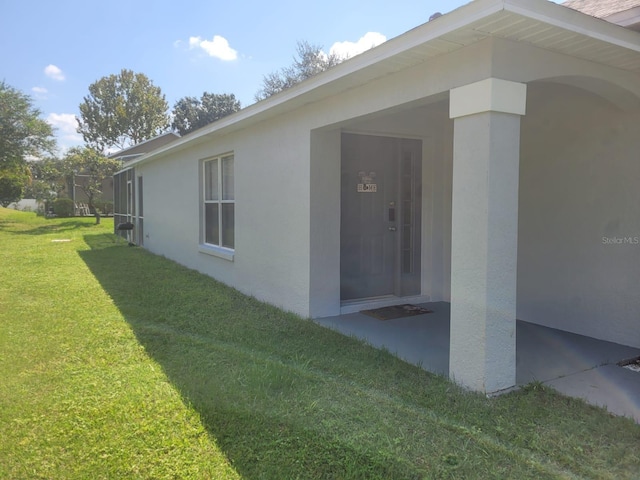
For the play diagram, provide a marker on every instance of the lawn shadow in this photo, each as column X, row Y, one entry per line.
column 236, row 374
column 65, row 226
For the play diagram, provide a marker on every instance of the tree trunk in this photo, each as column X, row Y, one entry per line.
column 95, row 210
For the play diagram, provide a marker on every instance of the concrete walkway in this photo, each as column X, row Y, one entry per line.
column 574, row 365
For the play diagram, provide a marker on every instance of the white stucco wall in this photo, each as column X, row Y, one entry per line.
column 579, row 190
column 271, row 212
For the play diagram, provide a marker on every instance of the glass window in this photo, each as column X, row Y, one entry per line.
column 211, row 180
column 227, row 178
column 219, row 202
column 227, row 225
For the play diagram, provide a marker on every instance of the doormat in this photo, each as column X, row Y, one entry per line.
column 633, row 364
column 396, row 311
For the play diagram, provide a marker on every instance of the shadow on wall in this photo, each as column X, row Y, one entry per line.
column 257, row 385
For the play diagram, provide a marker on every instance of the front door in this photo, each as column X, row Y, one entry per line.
column 380, row 218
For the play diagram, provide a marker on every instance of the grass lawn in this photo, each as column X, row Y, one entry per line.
column 115, row 363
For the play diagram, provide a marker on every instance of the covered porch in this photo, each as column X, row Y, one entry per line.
column 574, row 365
column 490, row 171
column 514, row 212
column 525, row 178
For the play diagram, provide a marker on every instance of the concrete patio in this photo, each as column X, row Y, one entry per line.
column 574, row 365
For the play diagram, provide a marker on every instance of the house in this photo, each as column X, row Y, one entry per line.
column 123, row 185
column 488, row 158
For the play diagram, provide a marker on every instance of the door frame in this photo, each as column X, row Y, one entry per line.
column 416, row 236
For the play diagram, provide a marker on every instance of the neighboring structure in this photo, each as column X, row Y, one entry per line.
column 488, row 158
column 80, row 199
column 27, row 205
column 131, row 153
column 126, row 209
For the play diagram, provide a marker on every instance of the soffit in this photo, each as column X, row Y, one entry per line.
column 513, row 26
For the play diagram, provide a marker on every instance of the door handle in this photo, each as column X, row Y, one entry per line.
column 392, row 229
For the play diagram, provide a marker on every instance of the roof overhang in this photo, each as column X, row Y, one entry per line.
column 540, row 23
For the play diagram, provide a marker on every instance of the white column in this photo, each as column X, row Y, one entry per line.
column 484, row 240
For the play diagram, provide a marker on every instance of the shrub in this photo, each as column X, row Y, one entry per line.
column 63, row 207
column 11, row 188
column 105, row 207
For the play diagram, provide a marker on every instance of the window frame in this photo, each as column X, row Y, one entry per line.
column 218, row 250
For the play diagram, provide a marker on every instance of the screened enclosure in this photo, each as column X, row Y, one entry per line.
column 125, row 207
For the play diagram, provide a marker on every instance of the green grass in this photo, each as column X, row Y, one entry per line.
column 115, row 363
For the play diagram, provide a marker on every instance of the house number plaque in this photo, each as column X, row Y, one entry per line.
column 367, row 187
column 366, row 184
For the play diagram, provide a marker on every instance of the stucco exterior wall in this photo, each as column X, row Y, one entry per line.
column 579, row 226
column 271, row 212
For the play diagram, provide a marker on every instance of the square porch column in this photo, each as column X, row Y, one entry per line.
column 484, row 240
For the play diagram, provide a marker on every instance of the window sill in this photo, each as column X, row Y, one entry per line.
column 214, row 251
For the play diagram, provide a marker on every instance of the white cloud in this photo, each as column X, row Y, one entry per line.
column 350, row 49
column 65, row 125
column 218, row 47
column 54, row 72
column 65, row 122
column 40, row 92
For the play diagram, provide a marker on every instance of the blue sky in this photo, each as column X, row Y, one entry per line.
column 53, row 50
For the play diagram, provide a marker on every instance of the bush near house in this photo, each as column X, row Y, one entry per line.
column 105, row 207
column 63, row 207
column 145, row 369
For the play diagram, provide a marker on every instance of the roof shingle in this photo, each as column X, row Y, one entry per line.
column 601, row 8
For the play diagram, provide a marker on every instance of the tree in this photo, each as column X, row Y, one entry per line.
column 93, row 168
column 47, row 179
column 190, row 113
column 23, row 134
column 309, row 61
column 12, row 184
column 122, row 110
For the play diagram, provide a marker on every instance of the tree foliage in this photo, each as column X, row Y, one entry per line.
column 122, row 110
column 23, row 134
column 309, row 60
column 191, row 113
column 89, row 168
column 48, row 179
column 12, row 183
